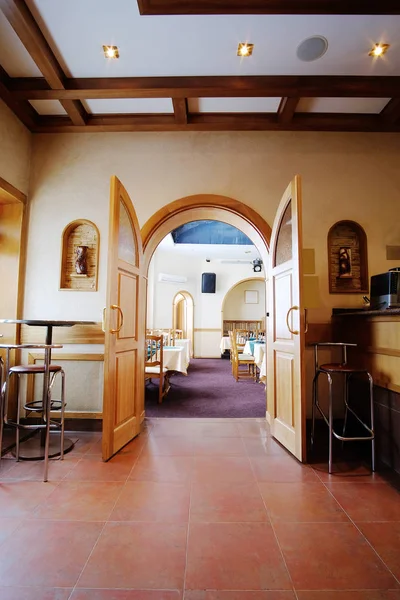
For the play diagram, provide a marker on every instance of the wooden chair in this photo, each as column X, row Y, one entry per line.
column 241, row 336
column 176, row 334
column 241, row 360
column 154, row 364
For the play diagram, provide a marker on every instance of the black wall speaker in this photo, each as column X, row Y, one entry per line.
column 208, row 283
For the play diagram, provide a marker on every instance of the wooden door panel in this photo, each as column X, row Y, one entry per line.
column 125, row 368
column 286, row 368
column 123, row 404
column 284, row 389
column 128, row 287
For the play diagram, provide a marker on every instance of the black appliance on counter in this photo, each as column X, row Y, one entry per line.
column 385, row 289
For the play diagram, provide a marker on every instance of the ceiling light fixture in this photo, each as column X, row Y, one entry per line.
column 379, row 50
column 111, row 51
column 245, row 49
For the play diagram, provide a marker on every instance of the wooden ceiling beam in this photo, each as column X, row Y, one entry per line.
column 287, row 108
column 22, row 21
column 390, row 114
column 219, row 122
column 268, row 7
column 21, row 108
column 180, row 110
column 275, row 86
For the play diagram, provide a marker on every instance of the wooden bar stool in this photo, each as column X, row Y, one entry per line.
column 342, row 369
column 43, row 406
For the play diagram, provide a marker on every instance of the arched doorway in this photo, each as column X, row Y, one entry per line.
column 205, row 207
column 183, row 316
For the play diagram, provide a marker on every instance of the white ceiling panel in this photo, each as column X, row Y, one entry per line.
column 236, row 105
column 48, row 107
column 342, row 105
column 129, row 105
column 206, row 45
column 14, row 58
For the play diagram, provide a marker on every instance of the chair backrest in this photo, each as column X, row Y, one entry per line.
column 175, row 334
column 242, row 335
column 154, row 351
column 234, row 348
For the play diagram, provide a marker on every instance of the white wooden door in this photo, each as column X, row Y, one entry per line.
column 286, row 340
column 124, row 325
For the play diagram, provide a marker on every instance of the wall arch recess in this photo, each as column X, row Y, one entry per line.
column 347, row 258
column 184, row 319
column 85, row 234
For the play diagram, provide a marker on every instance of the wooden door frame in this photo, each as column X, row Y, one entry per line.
column 205, row 207
column 11, row 195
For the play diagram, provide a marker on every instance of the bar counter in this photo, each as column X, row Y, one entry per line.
column 377, row 335
column 365, row 312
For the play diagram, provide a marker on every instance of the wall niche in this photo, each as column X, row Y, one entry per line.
column 80, row 256
column 347, row 258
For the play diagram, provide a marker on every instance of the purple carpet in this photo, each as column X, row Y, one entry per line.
column 209, row 390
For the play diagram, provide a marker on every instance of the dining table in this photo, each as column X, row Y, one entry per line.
column 174, row 359
column 33, row 447
column 185, row 344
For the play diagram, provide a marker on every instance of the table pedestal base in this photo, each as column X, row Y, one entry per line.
column 32, row 449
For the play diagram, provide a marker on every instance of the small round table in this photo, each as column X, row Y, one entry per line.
column 33, row 448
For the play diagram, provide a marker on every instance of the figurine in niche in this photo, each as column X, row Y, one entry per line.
column 345, row 262
column 81, row 260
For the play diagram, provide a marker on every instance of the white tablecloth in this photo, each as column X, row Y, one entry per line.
column 263, row 369
column 258, row 351
column 185, row 344
column 225, row 344
column 174, row 359
column 260, row 357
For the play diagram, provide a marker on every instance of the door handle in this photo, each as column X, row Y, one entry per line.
column 103, row 320
column 287, row 319
column 118, row 308
column 305, row 320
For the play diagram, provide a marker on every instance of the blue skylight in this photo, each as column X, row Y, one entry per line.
column 209, row 232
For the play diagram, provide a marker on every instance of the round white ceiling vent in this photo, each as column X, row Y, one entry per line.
column 312, row 48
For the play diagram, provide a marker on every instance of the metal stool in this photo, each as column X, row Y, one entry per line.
column 44, row 406
column 348, row 371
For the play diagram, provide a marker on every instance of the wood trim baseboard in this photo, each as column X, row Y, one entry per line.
column 384, row 351
column 72, row 415
column 77, row 334
column 60, row 356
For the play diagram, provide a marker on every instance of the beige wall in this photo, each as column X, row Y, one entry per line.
column 345, row 176
column 235, row 306
column 15, row 150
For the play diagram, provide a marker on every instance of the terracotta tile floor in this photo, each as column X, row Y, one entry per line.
column 196, row 510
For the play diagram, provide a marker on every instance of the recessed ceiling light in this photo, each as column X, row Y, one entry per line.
column 379, row 50
column 245, row 49
column 312, row 48
column 111, row 51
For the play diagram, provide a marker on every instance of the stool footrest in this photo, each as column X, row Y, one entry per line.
column 37, row 406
